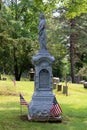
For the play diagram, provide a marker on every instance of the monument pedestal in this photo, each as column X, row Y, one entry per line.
column 39, row 107
column 42, row 99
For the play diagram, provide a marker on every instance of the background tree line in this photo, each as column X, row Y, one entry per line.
column 66, row 35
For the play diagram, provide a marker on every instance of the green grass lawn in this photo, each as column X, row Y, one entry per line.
column 74, row 107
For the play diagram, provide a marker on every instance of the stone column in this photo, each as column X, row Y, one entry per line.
column 39, row 107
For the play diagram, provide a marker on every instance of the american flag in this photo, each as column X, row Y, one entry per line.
column 55, row 109
column 22, row 101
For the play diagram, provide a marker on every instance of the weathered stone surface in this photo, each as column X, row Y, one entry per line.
column 42, row 99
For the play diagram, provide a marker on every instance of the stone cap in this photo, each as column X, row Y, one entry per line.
column 43, row 57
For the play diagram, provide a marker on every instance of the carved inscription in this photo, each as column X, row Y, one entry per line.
column 44, row 78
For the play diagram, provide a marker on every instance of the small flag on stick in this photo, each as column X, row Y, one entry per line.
column 22, row 101
column 55, row 109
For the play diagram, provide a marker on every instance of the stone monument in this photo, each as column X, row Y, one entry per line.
column 42, row 99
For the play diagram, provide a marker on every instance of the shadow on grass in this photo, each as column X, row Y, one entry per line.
column 25, row 118
column 68, row 110
column 72, row 118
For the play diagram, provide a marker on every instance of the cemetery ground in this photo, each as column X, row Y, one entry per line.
column 74, row 107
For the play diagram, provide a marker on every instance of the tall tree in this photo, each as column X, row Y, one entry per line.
column 72, row 49
column 16, row 38
column 71, row 12
column 69, row 21
column 77, row 8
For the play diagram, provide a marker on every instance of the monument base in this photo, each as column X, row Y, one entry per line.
column 40, row 106
column 46, row 119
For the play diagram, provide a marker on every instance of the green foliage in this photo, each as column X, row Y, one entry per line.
column 62, row 31
column 16, row 34
column 75, row 8
column 66, row 68
column 83, row 72
column 80, row 46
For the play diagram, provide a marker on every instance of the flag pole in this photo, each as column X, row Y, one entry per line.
column 22, row 102
column 20, row 106
column 20, row 109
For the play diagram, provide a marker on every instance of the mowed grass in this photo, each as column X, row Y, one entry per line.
column 74, row 107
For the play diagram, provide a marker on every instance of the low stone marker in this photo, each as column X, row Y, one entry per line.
column 55, row 82
column 59, row 87
column 65, row 90
column 54, row 85
column 82, row 82
column 85, row 84
column 4, row 78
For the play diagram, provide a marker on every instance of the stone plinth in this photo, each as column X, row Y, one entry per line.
column 42, row 99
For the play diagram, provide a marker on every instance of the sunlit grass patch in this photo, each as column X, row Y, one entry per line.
column 74, row 107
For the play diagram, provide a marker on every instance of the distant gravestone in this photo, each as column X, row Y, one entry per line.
column 65, row 90
column 42, row 99
column 77, row 79
column 0, row 76
column 59, row 87
column 85, row 84
column 31, row 73
column 54, row 85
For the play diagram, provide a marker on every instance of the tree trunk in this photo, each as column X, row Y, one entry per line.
column 16, row 11
column 0, row 4
column 72, row 47
column 16, row 71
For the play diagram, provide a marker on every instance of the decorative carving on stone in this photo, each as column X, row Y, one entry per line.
column 42, row 32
